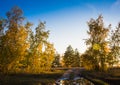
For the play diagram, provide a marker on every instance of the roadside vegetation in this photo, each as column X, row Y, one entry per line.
column 45, row 78
column 110, row 77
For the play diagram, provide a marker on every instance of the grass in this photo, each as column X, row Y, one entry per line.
column 112, row 76
column 100, row 82
column 46, row 78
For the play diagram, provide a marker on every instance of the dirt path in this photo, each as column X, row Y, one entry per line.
column 73, row 72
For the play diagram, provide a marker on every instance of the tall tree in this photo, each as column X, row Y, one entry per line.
column 97, row 42
column 14, row 40
column 68, row 56
column 40, row 50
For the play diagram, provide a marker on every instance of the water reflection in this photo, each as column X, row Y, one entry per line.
column 75, row 81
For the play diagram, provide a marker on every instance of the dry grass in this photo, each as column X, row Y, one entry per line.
column 112, row 76
column 46, row 78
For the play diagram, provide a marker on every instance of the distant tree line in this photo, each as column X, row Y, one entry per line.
column 71, row 58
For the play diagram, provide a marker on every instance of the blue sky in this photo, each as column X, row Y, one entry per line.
column 66, row 19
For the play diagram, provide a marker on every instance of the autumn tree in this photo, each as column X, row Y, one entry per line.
column 14, row 43
column 21, row 49
column 41, row 52
column 48, row 56
column 114, row 55
column 98, row 44
column 2, row 24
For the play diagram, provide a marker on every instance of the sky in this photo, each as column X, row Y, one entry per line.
column 66, row 19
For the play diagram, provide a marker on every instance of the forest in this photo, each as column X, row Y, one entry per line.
column 23, row 50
